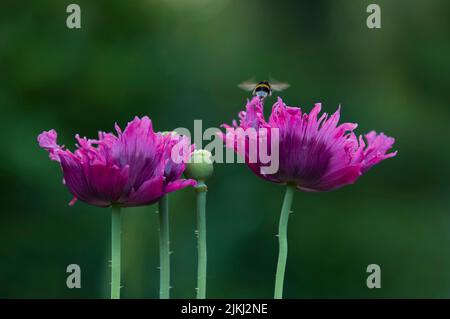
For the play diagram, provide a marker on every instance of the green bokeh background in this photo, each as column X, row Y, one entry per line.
column 178, row 61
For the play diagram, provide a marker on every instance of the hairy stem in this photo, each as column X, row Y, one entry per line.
column 164, row 248
column 201, row 239
column 282, row 240
column 115, row 252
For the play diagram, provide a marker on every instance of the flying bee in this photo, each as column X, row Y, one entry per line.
column 263, row 88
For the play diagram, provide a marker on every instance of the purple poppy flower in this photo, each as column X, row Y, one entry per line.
column 134, row 168
column 315, row 154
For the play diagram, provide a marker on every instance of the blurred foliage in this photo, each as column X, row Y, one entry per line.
column 178, row 61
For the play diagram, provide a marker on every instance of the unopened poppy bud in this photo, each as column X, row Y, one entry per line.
column 200, row 166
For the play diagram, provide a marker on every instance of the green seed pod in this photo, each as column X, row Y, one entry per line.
column 200, row 166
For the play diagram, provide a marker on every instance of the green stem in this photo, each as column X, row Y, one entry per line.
column 164, row 248
column 201, row 239
column 115, row 252
column 282, row 240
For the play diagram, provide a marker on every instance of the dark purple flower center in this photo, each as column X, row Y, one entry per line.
column 303, row 162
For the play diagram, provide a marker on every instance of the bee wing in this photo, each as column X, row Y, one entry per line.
column 280, row 86
column 248, row 85
column 277, row 85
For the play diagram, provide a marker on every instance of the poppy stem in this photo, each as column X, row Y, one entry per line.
column 282, row 241
column 201, row 189
column 164, row 248
column 115, row 252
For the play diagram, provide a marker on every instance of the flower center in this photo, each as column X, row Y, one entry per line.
column 303, row 162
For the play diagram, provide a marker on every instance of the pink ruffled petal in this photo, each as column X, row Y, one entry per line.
column 47, row 141
column 149, row 192
column 339, row 178
column 107, row 183
column 179, row 184
column 73, row 201
column 376, row 151
column 76, row 181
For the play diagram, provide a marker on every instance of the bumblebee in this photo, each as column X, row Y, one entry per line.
column 263, row 88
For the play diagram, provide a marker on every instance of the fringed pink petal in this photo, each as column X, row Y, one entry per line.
column 377, row 148
column 148, row 193
column 179, row 184
column 47, row 140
